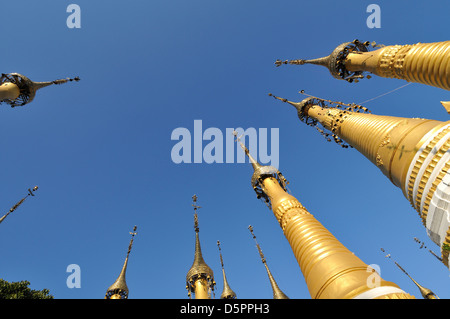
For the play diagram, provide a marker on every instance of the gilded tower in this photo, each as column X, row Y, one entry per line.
column 426, row 63
column 414, row 153
column 200, row 278
column 331, row 271
column 30, row 193
column 227, row 292
column 277, row 293
column 17, row 90
column 119, row 289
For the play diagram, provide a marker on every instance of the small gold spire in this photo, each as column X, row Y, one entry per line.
column 26, row 89
column 426, row 293
column 227, row 292
column 200, row 277
column 30, row 193
column 119, row 289
column 277, row 293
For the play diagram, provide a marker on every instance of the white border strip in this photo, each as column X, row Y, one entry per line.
column 379, row 291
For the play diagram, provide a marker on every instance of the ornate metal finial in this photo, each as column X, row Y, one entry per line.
column 119, row 289
column 422, row 245
column 227, row 292
column 426, row 293
column 260, row 173
column 194, row 198
column 277, row 293
column 27, row 87
column 335, row 62
column 199, row 269
column 30, row 193
column 345, row 109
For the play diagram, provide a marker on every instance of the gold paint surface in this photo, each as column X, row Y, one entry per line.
column 330, row 270
column 426, row 63
column 201, row 289
column 9, row 91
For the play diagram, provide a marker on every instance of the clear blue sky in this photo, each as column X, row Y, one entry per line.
column 100, row 149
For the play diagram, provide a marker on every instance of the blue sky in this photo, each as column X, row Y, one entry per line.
column 100, row 149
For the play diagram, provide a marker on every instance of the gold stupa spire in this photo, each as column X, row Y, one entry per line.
column 17, row 90
column 227, row 292
column 277, row 293
column 425, row 292
column 331, row 271
column 414, row 153
column 119, row 289
column 30, row 193
column 200, row 278
column 425, row 63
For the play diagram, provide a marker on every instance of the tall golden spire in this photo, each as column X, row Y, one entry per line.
column 17, row 90
column 30, row 193
column 119, row 289
column 425, row 63
column 200, row 278
column 413, row 153
column 277, row 293
column 425, row 292
column 331, row 271
column 227, row 292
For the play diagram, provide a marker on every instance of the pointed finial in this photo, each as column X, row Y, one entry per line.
column 27, row 87
column 119, row 289
column 260, row 172
column 30, row 193
column 227, row 292
column 335, row 62
column 426, row 293
column 194, row 198
column 277, row 293
column 254, row 163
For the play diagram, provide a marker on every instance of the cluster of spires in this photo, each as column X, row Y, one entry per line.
column 350, row 61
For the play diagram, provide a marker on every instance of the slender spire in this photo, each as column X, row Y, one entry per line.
column 227, row 292
column 331, row 271
column 277, row 293
column 424, row 63
column 30, row 193
column 411, row 152
column 426, row 293
column 259, row 171
column 119, row 289
column 26, row 89
column 200, row 277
